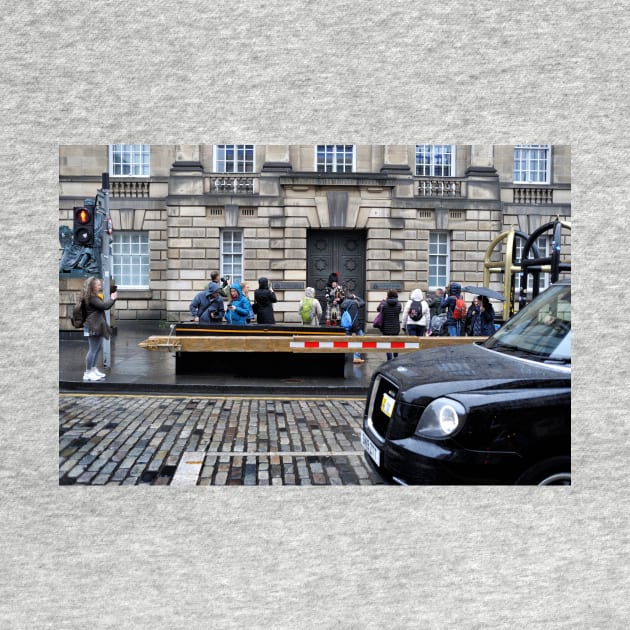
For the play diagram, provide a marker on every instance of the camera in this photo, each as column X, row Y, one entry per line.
column 225, row 281
column 113, row 288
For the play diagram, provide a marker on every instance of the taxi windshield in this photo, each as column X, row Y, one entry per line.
column 541, row 331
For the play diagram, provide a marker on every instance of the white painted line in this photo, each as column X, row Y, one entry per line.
column 188, row 469
column 281, row 453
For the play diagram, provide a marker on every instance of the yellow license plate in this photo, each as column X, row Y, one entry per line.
column 387, row 405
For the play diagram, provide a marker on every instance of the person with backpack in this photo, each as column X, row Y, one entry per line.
column 456, row 309
column 416, row 314
column 390, row 308
column 207, row 306
column 95, row 326
column 310, row 309
column 350, row 319
column 435, row 303
column 264, row 299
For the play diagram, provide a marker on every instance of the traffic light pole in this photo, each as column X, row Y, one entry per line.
column 104, row 234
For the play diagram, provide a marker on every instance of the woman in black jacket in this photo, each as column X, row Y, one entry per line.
column 264, row 299
column 390, row 308
column 96, row 327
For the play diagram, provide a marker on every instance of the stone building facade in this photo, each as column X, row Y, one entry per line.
column 383, row 216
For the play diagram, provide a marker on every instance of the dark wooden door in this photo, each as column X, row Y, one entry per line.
column 336, row 250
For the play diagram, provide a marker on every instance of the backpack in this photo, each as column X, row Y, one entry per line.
column 438, row 326
column 79, row 315
column 415, row 310
column 346, row 320
column 460, row 310
column 307, row 312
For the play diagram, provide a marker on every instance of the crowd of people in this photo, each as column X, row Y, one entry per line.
column 445, row 312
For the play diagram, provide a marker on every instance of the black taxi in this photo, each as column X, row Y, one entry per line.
column 496, row 412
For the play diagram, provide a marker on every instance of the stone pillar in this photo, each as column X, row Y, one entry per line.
column 396, row 164
column 482, row 155
column 395, row 154
column 186, row 178
column 269, row 184
column 187, row 153
column 277, row 153
column 483, row 178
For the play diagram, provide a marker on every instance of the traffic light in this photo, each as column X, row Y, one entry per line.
column 83, row 228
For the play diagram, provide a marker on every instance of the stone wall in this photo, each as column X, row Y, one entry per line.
column 184, row 219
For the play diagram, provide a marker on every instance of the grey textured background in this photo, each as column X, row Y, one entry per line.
column 289, row 72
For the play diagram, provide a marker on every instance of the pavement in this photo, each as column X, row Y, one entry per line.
column 212, row 440
column 137, row 370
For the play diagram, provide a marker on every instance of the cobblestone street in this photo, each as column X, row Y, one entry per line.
column 182, row 441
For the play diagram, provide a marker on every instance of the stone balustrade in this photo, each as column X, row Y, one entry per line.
column 443, row 187
column 233, row 184
column 533, row 196
column 130, row 189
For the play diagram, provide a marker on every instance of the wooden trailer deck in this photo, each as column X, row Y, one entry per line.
column 280, row 350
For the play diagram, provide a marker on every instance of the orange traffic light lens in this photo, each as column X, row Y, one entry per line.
column 83, row 216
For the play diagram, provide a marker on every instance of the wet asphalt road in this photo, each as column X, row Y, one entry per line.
column 208, row 440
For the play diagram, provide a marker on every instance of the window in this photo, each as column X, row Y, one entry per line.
column 435, row 160
column 335, row 158
column 130, row 160
column 531, row 163
column 130, row 254
column 232, row 255
column 234, row 158
column 438, row 259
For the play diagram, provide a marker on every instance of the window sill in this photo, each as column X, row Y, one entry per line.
column 134, row 294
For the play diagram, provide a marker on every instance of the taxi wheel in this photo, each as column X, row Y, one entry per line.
column 555, row 471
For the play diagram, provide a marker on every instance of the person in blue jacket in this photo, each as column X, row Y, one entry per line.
column 352, row 304
column 239, row 309
column 449, row 301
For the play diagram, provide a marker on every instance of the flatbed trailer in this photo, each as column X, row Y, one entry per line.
column 279, row 350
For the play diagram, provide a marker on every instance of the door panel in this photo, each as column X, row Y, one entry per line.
column 336, row 250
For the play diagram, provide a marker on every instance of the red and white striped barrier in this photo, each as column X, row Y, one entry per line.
column 355, row 346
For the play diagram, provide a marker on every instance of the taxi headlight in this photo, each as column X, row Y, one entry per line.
column 441, row 418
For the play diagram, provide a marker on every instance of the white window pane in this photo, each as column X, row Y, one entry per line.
column 130, row 251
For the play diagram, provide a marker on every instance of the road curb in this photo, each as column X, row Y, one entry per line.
column 222, row 389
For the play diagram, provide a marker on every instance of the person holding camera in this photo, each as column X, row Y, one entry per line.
column 96, row 327
column 207, row 306
column 224, row 284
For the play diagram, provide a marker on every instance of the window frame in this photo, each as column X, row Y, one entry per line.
column 220, row 161
column 525, row 173
column 434, row 281
column 145, row 262
column 227, row 267
column 142, row 165
column 335, row 153
column 434, row 150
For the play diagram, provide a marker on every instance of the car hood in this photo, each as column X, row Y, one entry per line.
column 468, row 367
